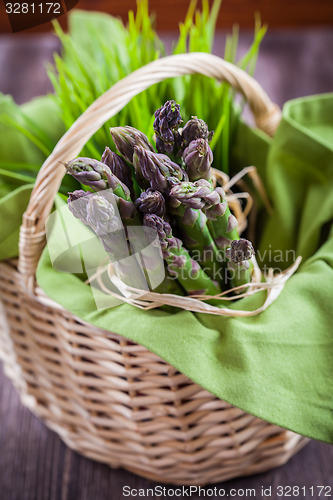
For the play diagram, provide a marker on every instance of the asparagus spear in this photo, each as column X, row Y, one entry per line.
column 238, row 254
column 88, row 207
column 156, row 170
column 77, row 203
column 98, row 212
column 186, row 200
column 102, row 218
column 198, row 158
column 166, row 125
column 222, row 224
column 97, row 175
column 195, row 129
column 126, row 138
column 151, row 202
column 163, row 175
column 196, row 236
column 196, row 195
column 119, row 168
column 188, row 272
column 200, row 194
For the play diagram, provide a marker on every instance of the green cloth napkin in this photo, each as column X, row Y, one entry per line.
column 277, row 365
column 22, row 153
column 20, row 159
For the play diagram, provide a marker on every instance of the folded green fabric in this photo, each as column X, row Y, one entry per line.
column 28, row 134
column 20, row 160
column 277, row 365
column 300, row 178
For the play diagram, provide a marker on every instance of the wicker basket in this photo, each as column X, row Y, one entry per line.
column 112, row 400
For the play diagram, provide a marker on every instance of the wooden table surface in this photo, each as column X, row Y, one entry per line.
column 34, row 463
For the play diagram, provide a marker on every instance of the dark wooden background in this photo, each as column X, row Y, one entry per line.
column 276, row 13
column 34, row 463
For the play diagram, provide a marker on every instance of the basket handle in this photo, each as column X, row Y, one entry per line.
column 32, row 233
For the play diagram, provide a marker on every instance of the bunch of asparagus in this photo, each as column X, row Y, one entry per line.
column 169, row 192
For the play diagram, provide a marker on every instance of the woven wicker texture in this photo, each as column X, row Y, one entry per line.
column 108, row 398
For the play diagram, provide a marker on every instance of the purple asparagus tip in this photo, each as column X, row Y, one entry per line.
column 126, row 138
column 118, row 167
column 151, row 202
column 78, row 202
column 197, row 195
column 101, row 215
column 162, row 228
column 195, row 129
column 198, row 158
column 157, row 169
column 89, row 172
column 240, row 250
column 166, row 124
